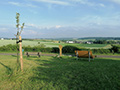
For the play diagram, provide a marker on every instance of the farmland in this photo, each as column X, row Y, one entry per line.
column 60, row 73
column 53, row 44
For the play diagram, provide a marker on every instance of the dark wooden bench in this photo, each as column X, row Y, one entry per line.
column 84, row 54
column 33, row 54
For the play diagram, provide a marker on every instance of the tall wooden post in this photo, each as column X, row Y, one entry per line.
column 60, row 50
column 20, row 48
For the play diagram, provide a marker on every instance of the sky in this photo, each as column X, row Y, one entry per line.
column 61, row 18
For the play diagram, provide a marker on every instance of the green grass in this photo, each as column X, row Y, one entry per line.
column 52, row 44
column 65, row 73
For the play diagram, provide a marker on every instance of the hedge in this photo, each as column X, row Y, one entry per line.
column 66, row 49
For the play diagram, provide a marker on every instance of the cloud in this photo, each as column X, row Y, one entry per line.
column 22, row 4
column 116, row 1
column 85, row 2
column 54, row 2
column 30, row 32
column 14, row 3
column 102, row 5
column 30, row 25
column 35, row 31
column 3, row 29
column 57, row 26
column 42, row 27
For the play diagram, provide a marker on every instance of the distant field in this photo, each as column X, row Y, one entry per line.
column 52, row 44
column 65, row 73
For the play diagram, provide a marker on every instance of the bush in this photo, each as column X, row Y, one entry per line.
column 40, row 48
column 55, row 50
column 8, row 47
column 69, row 49
column 101, row 51
column 116, row 48
column 66, row 49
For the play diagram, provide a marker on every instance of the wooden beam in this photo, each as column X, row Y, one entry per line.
column 20, row 48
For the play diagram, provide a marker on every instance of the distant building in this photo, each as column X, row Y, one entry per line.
column 89, row 42
column 56, row 41
column 78, row 42
column 2, row 38
column 69, row 41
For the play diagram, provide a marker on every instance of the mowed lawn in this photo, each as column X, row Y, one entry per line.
column 64, row 73
column 53, row 44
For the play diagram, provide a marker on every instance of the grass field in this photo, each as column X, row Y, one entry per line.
column 65, row 73
column 52, row 44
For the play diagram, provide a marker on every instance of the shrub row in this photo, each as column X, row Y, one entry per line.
column 8, row 47
column 116, row 48
column 66, row 49
column 37, row 49
column 101, row 51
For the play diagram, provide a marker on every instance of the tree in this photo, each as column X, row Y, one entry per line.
column 18, row 40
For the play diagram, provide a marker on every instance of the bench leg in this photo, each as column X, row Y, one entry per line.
column 28, row 55
column 38, row 54
column 76, row 58
column 77, row 55
column 89, row 56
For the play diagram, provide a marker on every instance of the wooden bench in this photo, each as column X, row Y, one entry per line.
column 33, row 54
column 84, row 54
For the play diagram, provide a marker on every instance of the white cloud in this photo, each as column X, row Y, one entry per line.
column 54, row 2
column 14, row 3
column 30, row 32
column 30, row 25
column 3, row 29
column 31, row 5
column 22, row 4
column 57, row 26
column 102, row 5
column 86, row 2
column 116, row 1
column 42, row 27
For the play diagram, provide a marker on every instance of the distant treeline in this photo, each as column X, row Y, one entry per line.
column 66, row 49
column 106, row 42
column 100, row 38
column 96, row 38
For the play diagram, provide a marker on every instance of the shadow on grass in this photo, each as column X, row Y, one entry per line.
column 69, row 73
column 9, row 70
column 17, row 62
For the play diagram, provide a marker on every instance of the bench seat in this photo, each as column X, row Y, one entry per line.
column 33, row 54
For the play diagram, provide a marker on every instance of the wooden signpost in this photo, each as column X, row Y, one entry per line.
column 60, row 50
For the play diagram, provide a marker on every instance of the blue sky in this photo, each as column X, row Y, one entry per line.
column 61, row 18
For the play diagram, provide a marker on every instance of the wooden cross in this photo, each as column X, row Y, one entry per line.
column 60, row 50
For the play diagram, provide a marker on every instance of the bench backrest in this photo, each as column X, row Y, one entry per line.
column 84, row 54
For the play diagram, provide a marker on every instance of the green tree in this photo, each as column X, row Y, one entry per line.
column 19, row 30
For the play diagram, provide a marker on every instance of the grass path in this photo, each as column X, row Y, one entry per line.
column 63, row 73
